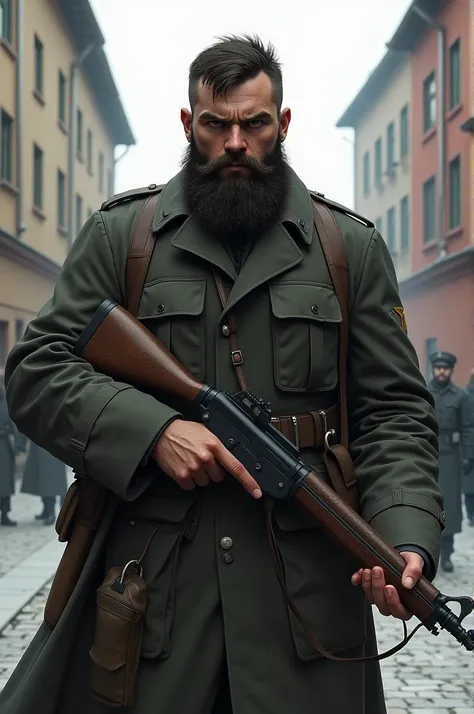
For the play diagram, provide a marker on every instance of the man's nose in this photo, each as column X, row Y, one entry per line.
column 235, row 141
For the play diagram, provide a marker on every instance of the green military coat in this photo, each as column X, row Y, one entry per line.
column 44, row 475
column 456, row 441
column 468, row 482
column 7, row 451
column 205, row 606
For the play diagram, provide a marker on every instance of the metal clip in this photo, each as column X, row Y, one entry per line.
column 327, row 432
column 296, row 431
column 131, row 562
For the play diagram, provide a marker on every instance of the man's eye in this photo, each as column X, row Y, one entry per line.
column 255, row 123
column 215, row 123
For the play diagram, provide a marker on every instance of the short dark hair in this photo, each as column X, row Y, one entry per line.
column 234, row 60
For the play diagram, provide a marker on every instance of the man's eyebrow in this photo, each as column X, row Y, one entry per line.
column 208, row 115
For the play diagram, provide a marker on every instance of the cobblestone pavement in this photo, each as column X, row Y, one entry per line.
column 431, row 675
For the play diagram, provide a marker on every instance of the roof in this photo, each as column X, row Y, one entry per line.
column 372, row 89
column 407, row 34
column 85, row 30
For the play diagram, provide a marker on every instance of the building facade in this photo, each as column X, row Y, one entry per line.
column 61, row 119
column 435, row 40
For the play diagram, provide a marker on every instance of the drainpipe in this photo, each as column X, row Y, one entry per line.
column 73, row 77
column 440, row 92
column 20, row 226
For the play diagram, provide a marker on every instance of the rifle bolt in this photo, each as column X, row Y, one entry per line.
column 258, row 467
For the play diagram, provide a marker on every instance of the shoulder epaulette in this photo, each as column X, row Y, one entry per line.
column 131, row 195
column 343, row 209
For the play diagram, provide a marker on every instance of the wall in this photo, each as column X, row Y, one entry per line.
column 370, row 127
column 455, row 16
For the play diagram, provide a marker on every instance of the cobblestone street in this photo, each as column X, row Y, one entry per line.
column 431, row 675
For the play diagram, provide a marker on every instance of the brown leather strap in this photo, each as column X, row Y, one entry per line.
column 336, row 259
column 139, row 253
column 308, row 430
column 235, row 354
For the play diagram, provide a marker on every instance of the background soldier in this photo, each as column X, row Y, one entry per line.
column 44, row 476
column 7, row 460
column 469, row 472
column 456, row 446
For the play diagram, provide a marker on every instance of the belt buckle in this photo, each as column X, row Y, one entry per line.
column 296, row 429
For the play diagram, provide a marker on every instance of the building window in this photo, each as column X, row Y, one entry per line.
column 455, row 192
column 431, row 346
column 79, row 129
column 3, row 342
column 390, row 147
column 379, row 225
column 6, row 20
column 429, row 102
column 38, row 66
column 61, row 200
column 391, row 236
column 78, row 213
column 89, row 152
column 404, row 132
column 429, row 204
column 37, row 177
column 366, row 170
column 61, row 97
column 404, row 225
column 110, row 182
column 101, row 172
column 6, row 156
column 19, row 329
column 378, row 162
column 454, row 75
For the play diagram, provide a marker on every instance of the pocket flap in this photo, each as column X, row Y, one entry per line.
column 163, row 510
column 304, row 301
column 167, row 297
column 111, row 661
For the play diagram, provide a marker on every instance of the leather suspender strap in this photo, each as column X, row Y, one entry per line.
column 235, row 353
column 336, row 258
column 139, row 253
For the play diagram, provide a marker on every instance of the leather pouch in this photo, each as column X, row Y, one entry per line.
column 115, row 654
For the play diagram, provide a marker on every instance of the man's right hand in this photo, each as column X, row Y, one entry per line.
column 192, row 456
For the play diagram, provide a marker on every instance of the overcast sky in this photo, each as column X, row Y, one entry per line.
column 327, row 54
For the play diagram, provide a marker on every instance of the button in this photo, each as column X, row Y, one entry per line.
column 227, row 543
column 152, row 186
column 225, row 330
column 228, row 558
column 302, row 223
column 315, row 309
column 160, row 308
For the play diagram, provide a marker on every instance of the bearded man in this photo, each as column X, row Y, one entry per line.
column 236, row 255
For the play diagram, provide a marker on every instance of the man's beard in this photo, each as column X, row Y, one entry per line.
column 236, row 208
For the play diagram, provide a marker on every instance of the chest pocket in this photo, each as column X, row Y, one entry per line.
column 172, row 309
column 305, row 336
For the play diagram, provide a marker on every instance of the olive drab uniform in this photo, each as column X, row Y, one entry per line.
column 456, row 443
column 469, row 472
column 218, row 633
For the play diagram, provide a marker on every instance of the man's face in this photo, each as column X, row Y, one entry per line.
column 235, row 170
column 245, row 123
column 442, row 374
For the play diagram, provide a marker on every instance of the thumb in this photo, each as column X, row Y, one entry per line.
column 413, row 569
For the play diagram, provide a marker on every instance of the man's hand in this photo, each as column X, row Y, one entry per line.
column 385, row 597
column 191, row 455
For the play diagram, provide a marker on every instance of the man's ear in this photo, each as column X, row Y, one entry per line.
column 187, row 122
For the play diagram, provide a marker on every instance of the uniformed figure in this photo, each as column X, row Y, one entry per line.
column 219, row 636
column 7, row 459
column 44, row 476
column 469, row 471
column 456, row 439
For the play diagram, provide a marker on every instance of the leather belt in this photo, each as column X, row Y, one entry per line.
column 308, row 430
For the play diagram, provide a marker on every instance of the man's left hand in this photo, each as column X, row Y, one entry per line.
column 385, row 597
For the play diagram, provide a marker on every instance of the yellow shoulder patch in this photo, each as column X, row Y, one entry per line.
column 399, row 314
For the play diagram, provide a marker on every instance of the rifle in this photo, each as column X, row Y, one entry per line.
column 242, row 423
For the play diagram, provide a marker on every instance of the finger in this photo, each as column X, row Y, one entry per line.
column 184, row 482
column 357, row 578
column 367, row 585
column 215, row 471
column 413, row 569
column 378, row 591
column 395, row 605
column 237, row 470
column 201, row 477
